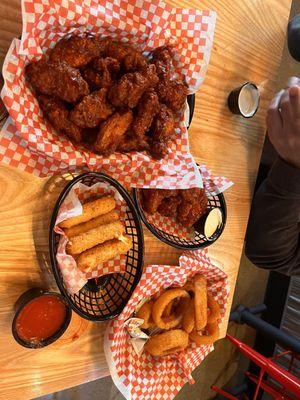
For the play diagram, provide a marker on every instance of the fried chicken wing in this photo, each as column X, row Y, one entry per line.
column 134, row 61
column 55, row 111
column 93, row 78
column 112, row 131
column 172, row 93
column 89, row 136
column 40, row 76
column 152, row 198
column 168, row 207
column 77, row 51
column 158, row 150
column 106, row 64
column 163, row 125
column 130, row 58
column 101, row 72
column 70, row 86
column 146, row 110
column 129, row 143
column 130, row 88
column 57, row 79
column 117, row 50
column 151, row 75
column 92, row 109
column 162, row 132
column 193, row 206
column 162, row 59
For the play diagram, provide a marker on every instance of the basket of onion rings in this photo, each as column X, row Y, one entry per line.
column 167, row 328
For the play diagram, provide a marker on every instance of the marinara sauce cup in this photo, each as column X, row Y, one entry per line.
column 41, row 318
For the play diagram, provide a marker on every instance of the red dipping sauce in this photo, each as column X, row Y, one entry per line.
column 41, row 318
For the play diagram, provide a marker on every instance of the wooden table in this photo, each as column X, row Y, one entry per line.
column 248, row 43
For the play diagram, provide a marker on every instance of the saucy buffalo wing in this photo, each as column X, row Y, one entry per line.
column 186, row 205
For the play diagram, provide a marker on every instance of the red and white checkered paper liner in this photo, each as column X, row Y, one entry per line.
column 73, row 277
column 214, row 185
column 29, row 142
column 146, row 377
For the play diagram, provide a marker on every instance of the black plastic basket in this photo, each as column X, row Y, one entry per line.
column 199, row 241
column 105, row 297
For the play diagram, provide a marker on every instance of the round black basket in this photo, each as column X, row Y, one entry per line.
column 200, row 241
column 103, row 298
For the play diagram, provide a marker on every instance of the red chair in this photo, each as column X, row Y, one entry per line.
column 287, row 386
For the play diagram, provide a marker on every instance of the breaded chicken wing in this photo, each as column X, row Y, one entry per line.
column 193, row 205
column 172, row 93
column 101, row 72
column 93, row 78
column 152, row 198
column 77, row 51
column 106, row 64
column 146, row 110
column 92, row 109
column 162, row 132
column 168, row 207
column 130, row 88
column 40, row 76
column 162, row 59
column 158, row 150
column 55, row 111
column 112, row 131
column 57, row 79
column 130, row 58
column 163, row 126
column 129, row 143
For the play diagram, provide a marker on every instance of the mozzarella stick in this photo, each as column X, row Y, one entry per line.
column 200, row 302
column 91, row 210
column 78, row 244
column 93, row 223
column 91, row 258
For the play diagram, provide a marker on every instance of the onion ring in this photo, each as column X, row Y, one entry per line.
column 145, row 313
column 182, row 305
column 200, row 302
column 214, row 308
column 165, row 343
column 161, row 303
column 168, row 310
column 189, row 287
column 188, row 320
column 213, row 335
column 212, row 305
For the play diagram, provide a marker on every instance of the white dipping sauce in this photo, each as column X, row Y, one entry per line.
column 248, row 100
column 212, row 223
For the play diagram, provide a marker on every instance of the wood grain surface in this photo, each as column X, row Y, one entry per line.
column 248, row 44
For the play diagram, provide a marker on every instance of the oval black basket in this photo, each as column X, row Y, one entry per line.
column 105, row 297
column 200, row 241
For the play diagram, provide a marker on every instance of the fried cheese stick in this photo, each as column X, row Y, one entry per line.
column 91, row 210
column 78, row 244
column 89, row 259
column 93, row 223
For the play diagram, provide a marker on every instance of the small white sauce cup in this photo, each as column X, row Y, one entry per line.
column 244, row 100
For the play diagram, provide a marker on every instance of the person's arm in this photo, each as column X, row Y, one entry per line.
column 272, row 239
